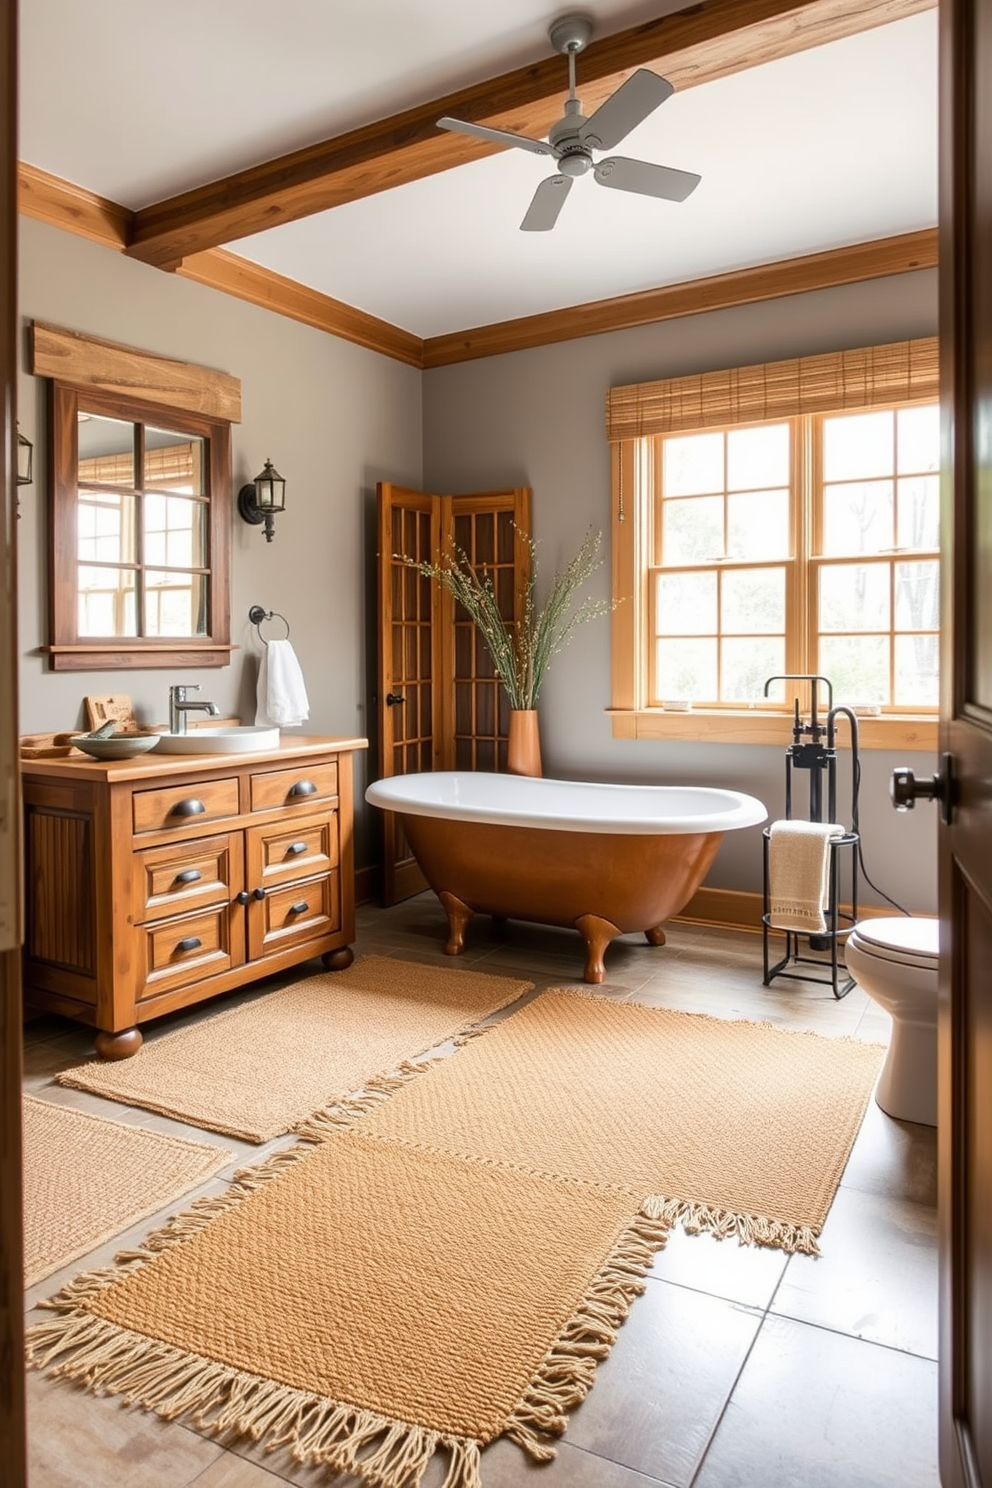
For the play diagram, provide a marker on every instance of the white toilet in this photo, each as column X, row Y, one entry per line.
column 895, row 960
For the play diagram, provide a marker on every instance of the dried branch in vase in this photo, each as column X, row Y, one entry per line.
column 522, row 652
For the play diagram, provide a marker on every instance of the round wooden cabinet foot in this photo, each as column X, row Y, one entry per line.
column 339, row 959
column 118, row 1045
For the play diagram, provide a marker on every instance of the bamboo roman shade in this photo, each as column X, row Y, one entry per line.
column 871, row 376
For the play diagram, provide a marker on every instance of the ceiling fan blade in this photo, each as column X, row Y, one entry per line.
column 497, row 136
column 647, row 180
column 629, row 106
column 549, row 198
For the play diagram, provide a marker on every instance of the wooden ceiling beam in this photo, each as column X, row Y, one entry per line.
column 708, row 41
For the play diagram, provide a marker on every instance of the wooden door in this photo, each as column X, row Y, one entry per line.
column 965, row 843
column 410, row 662
column 440, row 705
column 13, row 1452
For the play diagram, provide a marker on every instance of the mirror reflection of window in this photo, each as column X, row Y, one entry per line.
column 143, row 528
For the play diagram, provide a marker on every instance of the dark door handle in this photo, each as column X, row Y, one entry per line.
column 189, row 807
column 188, row 875
column 260, row 893
column 243, row 897
column 393, row 700
column 295, row 848
column 191, row 943
column 905, row 790
column 303, row 788
column 300, row 907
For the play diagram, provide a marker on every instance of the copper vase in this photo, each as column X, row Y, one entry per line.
column 523, row 749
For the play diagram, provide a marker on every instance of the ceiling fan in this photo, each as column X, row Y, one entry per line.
column 572, row 140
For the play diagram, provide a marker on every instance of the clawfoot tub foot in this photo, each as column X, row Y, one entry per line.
column 655, row 936
column 459, row 915
column 597, row 934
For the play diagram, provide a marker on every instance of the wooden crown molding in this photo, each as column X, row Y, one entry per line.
column 710, row 40
column 63, row 205
column 898, row 255
column 248, row 281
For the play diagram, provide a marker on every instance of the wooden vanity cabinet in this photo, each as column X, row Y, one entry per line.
column 155, row 882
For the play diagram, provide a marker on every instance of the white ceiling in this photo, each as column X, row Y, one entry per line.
column 137, row 100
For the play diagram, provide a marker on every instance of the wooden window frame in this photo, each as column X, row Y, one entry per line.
column 894, row 375
column 68, row 651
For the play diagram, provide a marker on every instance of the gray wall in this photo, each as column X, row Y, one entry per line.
column 537, row 418
column 334, row 419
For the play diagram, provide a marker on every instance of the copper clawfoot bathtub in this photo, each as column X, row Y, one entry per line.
column 603, row 859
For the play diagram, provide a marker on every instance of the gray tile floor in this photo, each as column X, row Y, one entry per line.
column 738, row 1367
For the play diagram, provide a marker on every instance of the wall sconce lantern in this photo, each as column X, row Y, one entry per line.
column 25, row 459
column 259, row 501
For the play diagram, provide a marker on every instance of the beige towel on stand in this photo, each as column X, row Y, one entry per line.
column 799, row 874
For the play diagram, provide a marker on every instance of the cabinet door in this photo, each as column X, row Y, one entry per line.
column 284, row 852
column 183, row 876
column 185, row 950
column 293, row 914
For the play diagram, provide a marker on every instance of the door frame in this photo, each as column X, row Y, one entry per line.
column 13, row 1428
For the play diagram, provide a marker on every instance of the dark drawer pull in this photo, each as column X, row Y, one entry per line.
column 303, row 788
column 260, row 893
column 188, row 875
column 295, row 848
column 191, row 943
column 189, row 807
column 300, row 907
column 244, row 896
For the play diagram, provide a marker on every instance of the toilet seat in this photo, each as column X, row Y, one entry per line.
column 906, row 941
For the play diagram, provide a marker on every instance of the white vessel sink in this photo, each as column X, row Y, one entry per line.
column 240, row 739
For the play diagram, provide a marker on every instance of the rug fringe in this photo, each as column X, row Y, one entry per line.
column 567, row 1371
column 220, row 1400
column 345, row 1113
column 750, row 1229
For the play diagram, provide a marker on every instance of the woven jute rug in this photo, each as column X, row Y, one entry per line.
column 87, row 1179
column 255, row 1071
column 365, row 1303
column 729, row 1127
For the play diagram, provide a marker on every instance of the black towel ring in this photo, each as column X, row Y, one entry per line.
column 256, row 615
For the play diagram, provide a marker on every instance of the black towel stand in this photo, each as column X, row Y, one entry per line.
column 818, row 759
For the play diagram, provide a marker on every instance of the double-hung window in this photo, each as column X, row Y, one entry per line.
column 778, row 519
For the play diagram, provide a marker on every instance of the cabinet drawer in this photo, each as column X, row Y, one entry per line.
column 187, row 949
column 185, row 876
column 300, row 787
column 185, row 805
column 299, row 912
column 279, row 853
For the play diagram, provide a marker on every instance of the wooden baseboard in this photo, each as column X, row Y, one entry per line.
column 725, row 909
column 731, row 909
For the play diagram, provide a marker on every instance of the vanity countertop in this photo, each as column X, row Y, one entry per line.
column 152, row 765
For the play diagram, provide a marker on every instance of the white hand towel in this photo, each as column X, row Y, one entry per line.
column 281, row 695
column 798, row 874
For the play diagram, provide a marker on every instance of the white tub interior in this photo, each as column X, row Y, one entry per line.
column 566, row 805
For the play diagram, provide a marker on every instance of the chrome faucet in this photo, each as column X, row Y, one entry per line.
column 179, row 707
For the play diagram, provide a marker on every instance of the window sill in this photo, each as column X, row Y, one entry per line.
column 723, row 726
